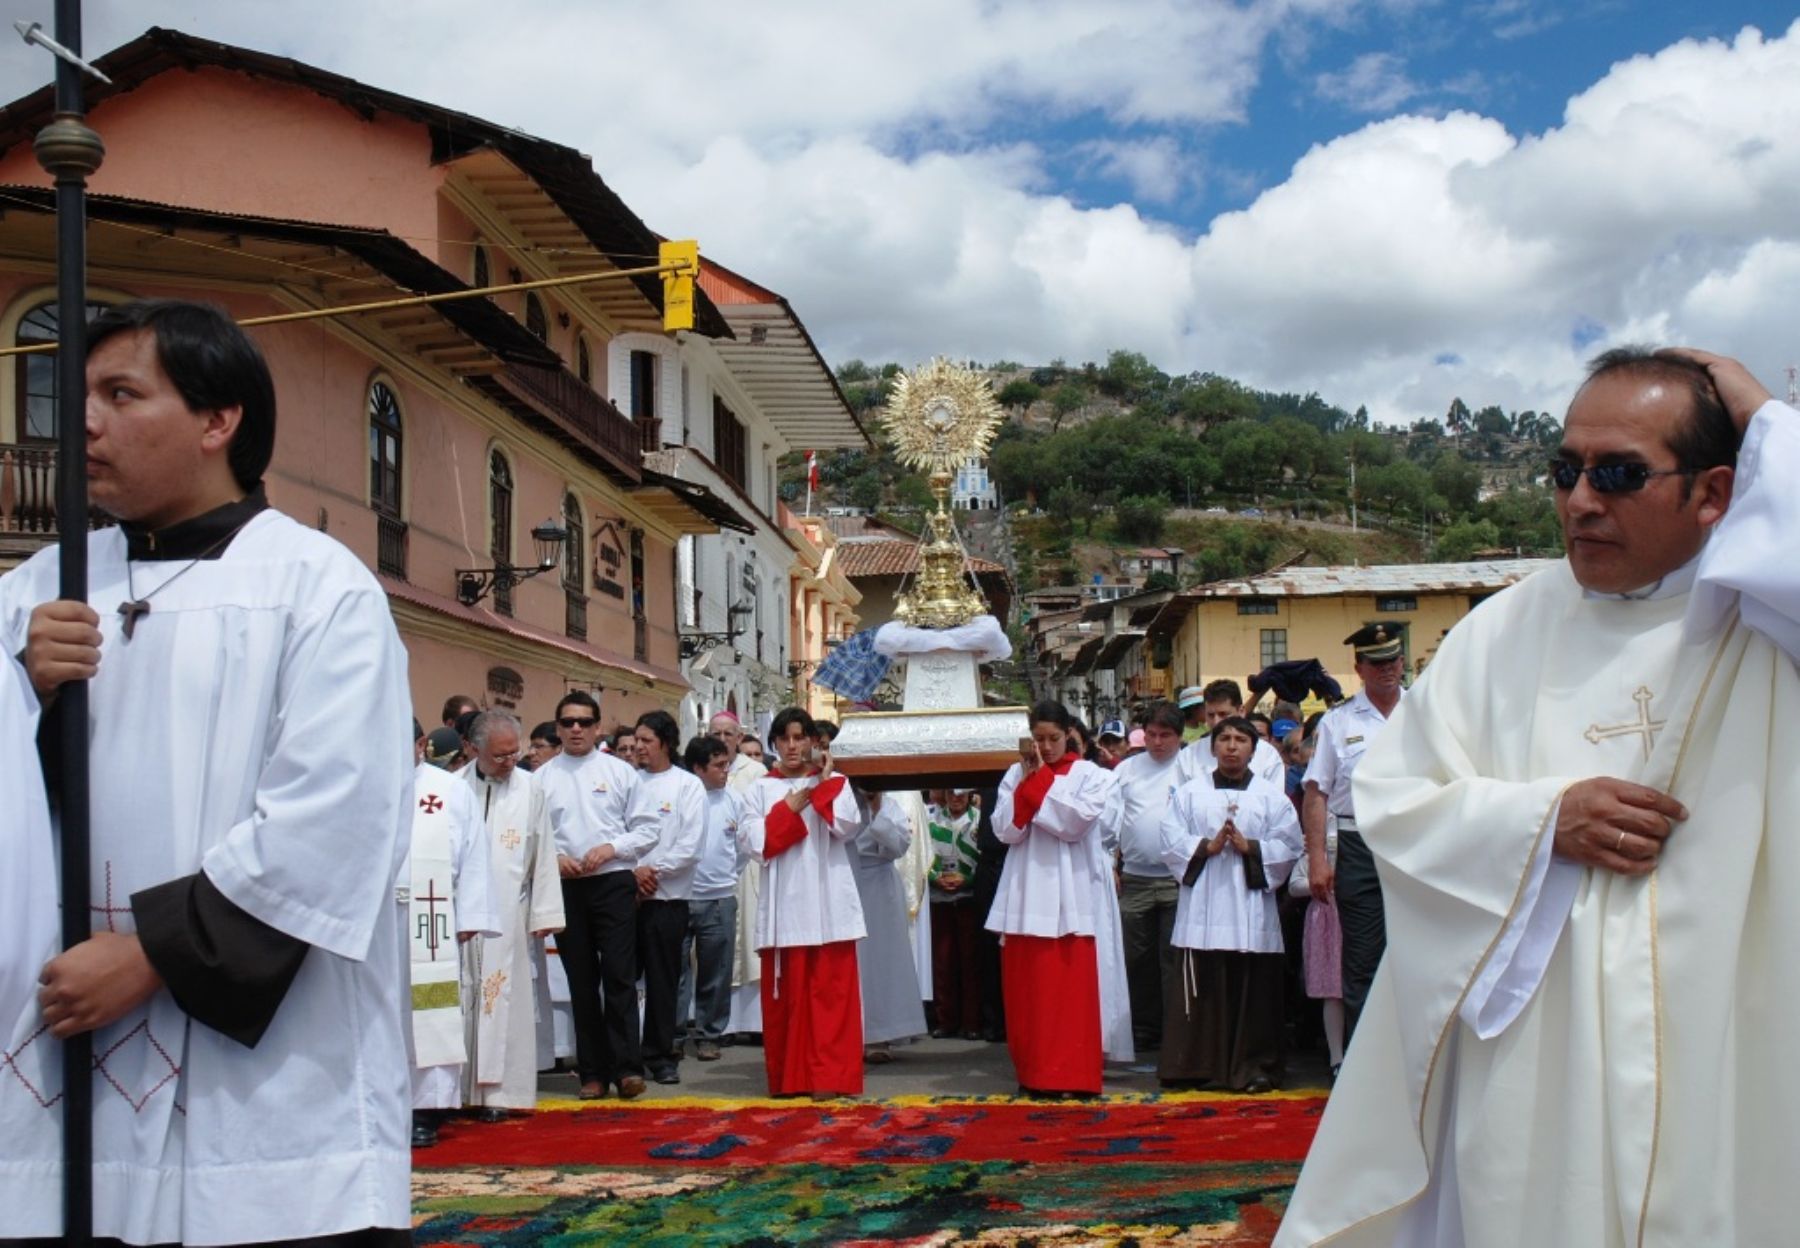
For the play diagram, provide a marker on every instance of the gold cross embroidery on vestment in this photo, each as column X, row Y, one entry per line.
column 1646, row 727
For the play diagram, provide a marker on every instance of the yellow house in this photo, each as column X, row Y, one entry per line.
column 1232, row 629
column 824, row 608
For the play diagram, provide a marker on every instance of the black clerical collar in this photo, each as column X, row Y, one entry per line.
column 202, row 537
column 1222, row 781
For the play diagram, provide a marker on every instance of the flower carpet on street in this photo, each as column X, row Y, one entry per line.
column 1190, row 1168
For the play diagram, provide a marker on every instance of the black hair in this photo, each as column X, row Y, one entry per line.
column 546, row 731
column 791, row 715
column 455, row 705
column 701, row 751
column 827, row 730
column 1223, row 691
column 1051, row 712
column 1166, row 714
column 1237, row 723
column 1708, row 438
column 581, row 698
column 465, row 723
column 666, row 730
column 212, row 364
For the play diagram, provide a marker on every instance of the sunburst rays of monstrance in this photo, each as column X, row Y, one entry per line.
column 941, row 416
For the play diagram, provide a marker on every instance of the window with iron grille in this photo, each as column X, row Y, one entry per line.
column 384, row 449
column 584, row 359
column 478, row 269
column 536, row 322
column 1396, row 602
column 1274, row 646
column 574, row 572
column 500, row 501
column 1258, row 606
column 35, row 389
column 729, row 450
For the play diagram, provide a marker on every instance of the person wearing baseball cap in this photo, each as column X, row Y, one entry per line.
column 1192, row 703
column 1111, row 740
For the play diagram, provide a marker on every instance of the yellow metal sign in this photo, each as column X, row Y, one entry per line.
column 678, row 284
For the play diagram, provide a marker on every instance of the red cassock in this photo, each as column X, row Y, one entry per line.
column 811, row 998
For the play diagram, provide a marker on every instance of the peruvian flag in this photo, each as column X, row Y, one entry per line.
column 812, row 470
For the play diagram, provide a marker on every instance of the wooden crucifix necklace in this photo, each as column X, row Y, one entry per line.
column 134, row 608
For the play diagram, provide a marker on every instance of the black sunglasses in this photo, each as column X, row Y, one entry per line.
column 1625, row 478
column 569, row 721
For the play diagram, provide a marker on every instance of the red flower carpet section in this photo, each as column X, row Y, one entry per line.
column 1131, row 1172
column 684, row 1132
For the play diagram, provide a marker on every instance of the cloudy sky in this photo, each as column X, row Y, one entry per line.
column 1392, row 202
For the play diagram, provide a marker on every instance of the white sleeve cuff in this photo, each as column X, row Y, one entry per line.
column 1512, row 974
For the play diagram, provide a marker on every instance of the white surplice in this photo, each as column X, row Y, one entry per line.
column 1058, row 881
column 1221, row 911
column 255, row 728
column 499, row 971
column 28, row 902
column 1627, row 1076
column 892, row 1007
column 746, row 965
column 808, row 894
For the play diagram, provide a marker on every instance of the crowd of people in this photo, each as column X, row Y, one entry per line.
column 1121, row 892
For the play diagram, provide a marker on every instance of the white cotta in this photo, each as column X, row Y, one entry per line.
column 1058, row 881
column 746, row 966
column 1221, row 911
column 28, row 904
column 498, row 970
column 256, row 728
column 892, row 1006
column 808, row 894
column 1639, row 1088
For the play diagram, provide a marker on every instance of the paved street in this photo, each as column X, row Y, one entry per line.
column 923, row 1068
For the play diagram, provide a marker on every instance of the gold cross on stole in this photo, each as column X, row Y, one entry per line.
column 1645, row 726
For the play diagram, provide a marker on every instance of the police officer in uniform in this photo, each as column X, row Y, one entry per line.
column 1344, row 734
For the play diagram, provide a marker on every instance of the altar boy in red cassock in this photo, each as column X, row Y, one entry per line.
column 808, row 917
column 1061, row 956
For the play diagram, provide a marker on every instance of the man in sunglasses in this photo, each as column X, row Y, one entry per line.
column 1582, row 819
column 587, row 797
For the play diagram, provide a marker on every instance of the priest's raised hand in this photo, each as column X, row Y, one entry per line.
column 1615, row 824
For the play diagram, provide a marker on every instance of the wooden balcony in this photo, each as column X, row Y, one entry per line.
column 28, row 491
column 568, row 409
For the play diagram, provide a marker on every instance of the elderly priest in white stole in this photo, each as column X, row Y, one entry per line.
column 1583, row 821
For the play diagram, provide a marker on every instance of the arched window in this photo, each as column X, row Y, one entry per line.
column 536, row 323
column 500, row 501
column 584, row 359
column 384, row 449
column 36, row 387
column 478, row 268
column 575, row 549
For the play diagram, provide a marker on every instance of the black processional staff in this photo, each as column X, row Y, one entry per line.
column 69, row 152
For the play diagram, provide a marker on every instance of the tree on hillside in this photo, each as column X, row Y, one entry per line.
column 1141, row 517
column 1456, row 420
column 1069, row 504
column 1457, row 481
column 1492, row 419
column 1065, row 400
column 1129, row 376
column 1019, row 393
column 1205, row 401
column 1460, row 541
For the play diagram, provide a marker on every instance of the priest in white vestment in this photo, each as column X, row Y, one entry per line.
column 444, row 903
column 498, row 971
column 885, row 967
column 746, row 963
column 1582, row 816
column 249, row 805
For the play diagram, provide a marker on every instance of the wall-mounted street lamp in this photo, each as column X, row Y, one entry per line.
column 474, row 584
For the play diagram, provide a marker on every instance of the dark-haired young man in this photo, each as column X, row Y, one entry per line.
column 670, row 803
column 1582, row 813
column 248, row 695
column 588, row 795
column 809, row 916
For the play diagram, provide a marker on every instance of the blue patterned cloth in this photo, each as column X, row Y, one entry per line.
column 853, row 669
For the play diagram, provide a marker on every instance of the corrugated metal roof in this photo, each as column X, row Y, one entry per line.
column 1399, row 578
